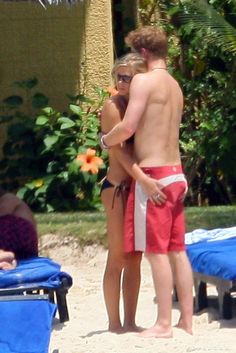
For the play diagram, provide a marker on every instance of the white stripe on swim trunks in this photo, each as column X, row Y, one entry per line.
column 172, row 179
column 140, row 210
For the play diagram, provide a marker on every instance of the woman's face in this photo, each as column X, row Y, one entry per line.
column 123, row 77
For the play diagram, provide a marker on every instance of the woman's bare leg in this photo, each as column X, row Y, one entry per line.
column 115, row 259
column 131, row 285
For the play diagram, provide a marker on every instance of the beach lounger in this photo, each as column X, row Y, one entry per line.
column 213, row 258
column 26, row 323
column 38, row 276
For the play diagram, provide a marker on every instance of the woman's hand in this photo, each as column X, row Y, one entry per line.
column 152, row 188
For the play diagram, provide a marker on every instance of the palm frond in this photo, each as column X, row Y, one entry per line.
column 44, row 3
column 205, row 18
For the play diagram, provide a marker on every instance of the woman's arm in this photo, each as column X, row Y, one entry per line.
column 150, row 186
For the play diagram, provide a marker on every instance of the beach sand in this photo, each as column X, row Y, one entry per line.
column 86, row 331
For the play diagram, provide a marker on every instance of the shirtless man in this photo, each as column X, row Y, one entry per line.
column 154, row 114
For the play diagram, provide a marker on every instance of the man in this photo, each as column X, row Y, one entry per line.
column 156, row 225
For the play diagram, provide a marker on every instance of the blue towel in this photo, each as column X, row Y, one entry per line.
column 25, row 325
column 34, row 271
column 214, row 258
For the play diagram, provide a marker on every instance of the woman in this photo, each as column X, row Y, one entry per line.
column 114, row 192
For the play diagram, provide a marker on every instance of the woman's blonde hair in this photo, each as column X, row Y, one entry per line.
column 133, row 61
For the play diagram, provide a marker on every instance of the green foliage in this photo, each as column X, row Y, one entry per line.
column 209, row 127
column 41, row 149
column 211, row 20
column 202, row 58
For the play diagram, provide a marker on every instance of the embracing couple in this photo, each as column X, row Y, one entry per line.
column 145, row 186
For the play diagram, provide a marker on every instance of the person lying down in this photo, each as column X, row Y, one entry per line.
column 18, row 231
column 7, row 260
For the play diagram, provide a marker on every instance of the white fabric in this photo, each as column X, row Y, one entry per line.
column 140, row 209
column 198, row 235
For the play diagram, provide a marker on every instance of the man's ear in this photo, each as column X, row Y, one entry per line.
column 144, row 53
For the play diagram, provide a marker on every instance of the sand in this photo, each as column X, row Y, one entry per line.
column 86, row 331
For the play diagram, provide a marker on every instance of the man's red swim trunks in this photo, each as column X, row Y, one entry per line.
column 154, row 228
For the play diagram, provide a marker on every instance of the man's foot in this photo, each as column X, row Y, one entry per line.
column 186, row 328
column 157, row 332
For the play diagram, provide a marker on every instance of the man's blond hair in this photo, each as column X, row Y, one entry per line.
column 151, row 38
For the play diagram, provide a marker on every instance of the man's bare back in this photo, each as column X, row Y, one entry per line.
column 157, row 134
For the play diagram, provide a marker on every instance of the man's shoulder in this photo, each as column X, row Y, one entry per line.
column 140, row 83
column 140, row 77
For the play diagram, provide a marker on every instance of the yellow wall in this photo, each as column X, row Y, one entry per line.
column 98, row 45
column 68, row 48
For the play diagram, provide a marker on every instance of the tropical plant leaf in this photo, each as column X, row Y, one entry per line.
column 42, row 120
column 48, row 110
column 75, row 109
column 204, row 17
column 66, row 123
column 49, row 141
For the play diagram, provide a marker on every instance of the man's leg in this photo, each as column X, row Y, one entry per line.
column 131, row 285
column 163, row 283
column 184, row 286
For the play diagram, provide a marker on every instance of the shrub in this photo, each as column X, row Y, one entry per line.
column 40, row 154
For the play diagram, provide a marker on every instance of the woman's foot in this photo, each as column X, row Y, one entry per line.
column 132, row 328
column 116, row 329
column 157, row 332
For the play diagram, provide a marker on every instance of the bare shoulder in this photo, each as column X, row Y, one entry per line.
column 111, row 113
column 140, row 85
column 140, row 78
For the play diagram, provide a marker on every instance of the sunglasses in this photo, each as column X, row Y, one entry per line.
column 124, row 78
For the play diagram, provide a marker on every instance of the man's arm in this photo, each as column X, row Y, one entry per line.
column 137, row 104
